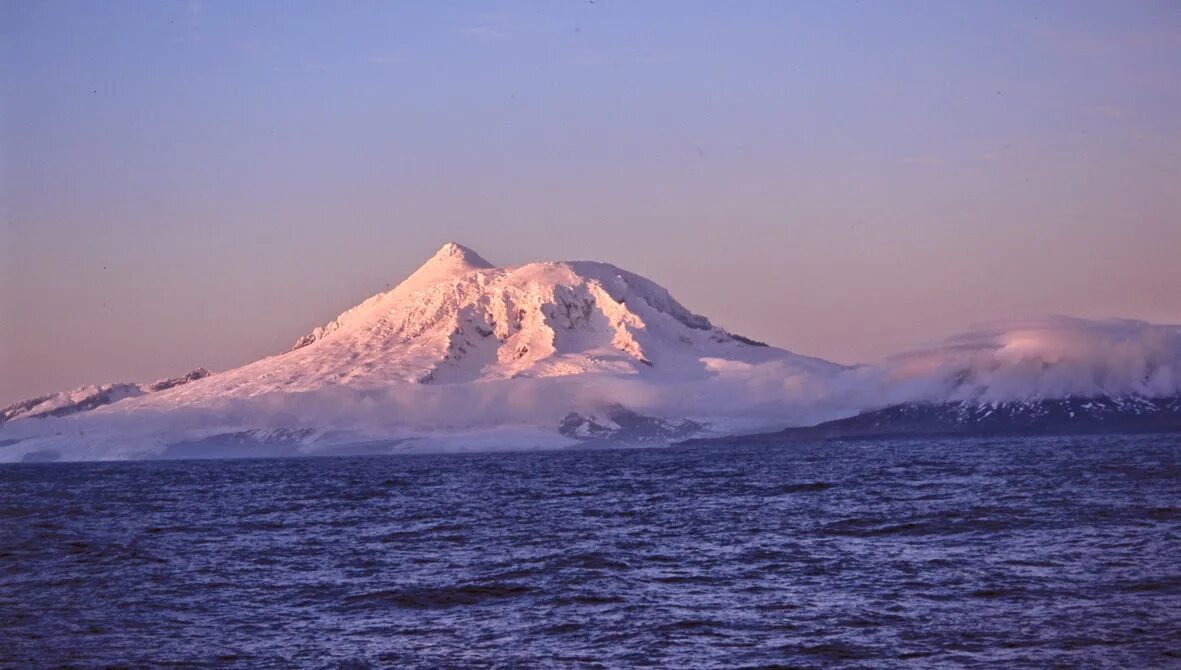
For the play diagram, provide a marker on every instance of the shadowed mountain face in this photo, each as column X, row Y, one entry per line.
column 619, row 424
column 1067, row 416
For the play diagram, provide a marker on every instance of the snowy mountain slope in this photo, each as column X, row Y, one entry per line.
column 465, row 348
column 86, row 398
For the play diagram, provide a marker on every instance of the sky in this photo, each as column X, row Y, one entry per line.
column 198, row 184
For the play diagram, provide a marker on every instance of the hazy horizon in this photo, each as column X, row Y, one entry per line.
column 199, row 184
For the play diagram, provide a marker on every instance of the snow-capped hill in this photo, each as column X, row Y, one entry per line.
column 86, row 398
column 460, row 319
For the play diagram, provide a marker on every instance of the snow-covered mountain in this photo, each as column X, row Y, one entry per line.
column 460, row 319
column 467, row 350
column 464, row 354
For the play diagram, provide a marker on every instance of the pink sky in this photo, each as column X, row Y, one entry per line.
column 198, row 185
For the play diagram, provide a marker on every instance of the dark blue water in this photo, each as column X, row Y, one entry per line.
column 989, row 554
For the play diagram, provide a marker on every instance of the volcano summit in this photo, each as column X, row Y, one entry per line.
column 549, row 352
column 460, row 319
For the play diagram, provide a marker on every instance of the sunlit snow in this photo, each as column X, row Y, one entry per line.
column 464, row 354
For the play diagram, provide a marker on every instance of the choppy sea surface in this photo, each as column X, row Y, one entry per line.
column 1019, row 553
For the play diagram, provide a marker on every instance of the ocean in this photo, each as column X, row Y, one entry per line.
column 969, row 553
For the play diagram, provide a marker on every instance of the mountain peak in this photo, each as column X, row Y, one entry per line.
column 458, row 256
column 449, row 261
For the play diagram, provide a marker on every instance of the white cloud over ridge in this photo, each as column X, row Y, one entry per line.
column 1053, row 357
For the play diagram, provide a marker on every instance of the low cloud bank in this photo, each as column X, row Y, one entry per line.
column 1047, row 358
column 523, row 413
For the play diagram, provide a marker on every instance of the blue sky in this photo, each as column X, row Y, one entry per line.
column 199, row 183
